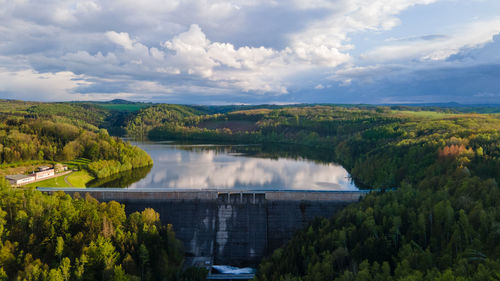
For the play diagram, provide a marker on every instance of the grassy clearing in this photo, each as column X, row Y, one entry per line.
column 77, row 164
column 257, row 111
column 75, row 179
column 234, row 126
column 80, row 178
column 124, row 107
column 53, row 182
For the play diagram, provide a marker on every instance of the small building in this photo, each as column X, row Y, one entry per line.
column 20, row 179
column 44, row 168
column 58, row 168
column 44, row 173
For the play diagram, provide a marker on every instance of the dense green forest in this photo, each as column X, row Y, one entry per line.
column 158, row 115
column 59, row 238
column 441, row 223
column 62, row 132
column 380, row 147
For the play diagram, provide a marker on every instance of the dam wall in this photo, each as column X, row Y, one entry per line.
column 232, row 227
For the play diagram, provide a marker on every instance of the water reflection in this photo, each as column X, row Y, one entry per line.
column 122, row 179
column 245, row 167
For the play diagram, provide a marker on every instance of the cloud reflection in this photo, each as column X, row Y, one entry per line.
column 175, row 167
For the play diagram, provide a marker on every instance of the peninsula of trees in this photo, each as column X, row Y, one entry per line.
column 64, row 132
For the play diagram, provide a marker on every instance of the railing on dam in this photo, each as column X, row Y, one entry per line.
column 223, row 195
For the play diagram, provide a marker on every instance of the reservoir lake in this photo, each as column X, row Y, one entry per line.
column 223, row 166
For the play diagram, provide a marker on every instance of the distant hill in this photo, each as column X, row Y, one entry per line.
column 450, row 106
column 120, row 101
column 114, row 101
column 447, row 104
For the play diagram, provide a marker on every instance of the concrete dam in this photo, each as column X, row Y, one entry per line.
column 230, row 227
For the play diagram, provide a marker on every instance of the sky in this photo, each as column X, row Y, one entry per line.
column 251, row 52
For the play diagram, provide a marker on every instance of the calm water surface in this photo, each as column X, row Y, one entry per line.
column 198, row 166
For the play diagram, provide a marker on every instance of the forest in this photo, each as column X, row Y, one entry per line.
column 439, row 217
column 59, row 238
column 380, row 147
column 63, row 132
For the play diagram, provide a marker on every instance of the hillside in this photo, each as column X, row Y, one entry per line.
column 437, row 221
column 59, row 132
column 57, row 237
column 158, row 115
column 439, row 224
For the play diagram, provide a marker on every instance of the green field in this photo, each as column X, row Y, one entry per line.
column 77, row 164
column 124, row 107
column 79, row 178
column 53, row 182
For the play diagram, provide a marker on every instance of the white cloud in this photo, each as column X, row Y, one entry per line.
column 27, row 84
column 215, row 47
column 190, row 52
column 324, row 41
column 244, row 68
column 469, row 35
column 364, row 73
column 121, row 38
